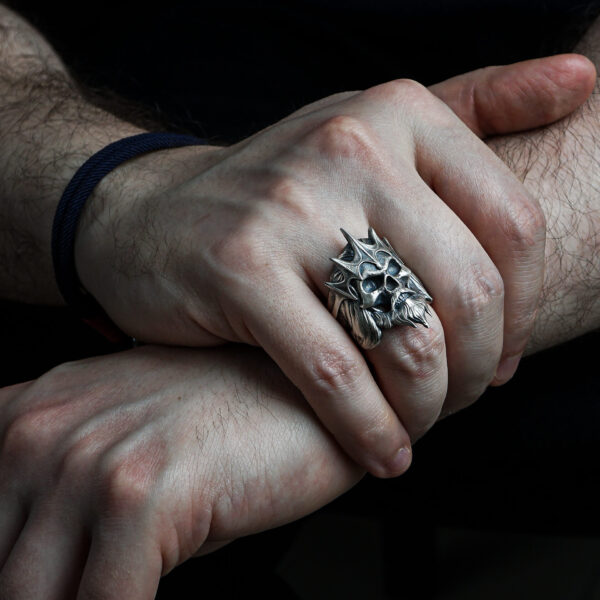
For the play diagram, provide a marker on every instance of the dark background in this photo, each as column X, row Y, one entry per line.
column 229, row 68
column 525, row 458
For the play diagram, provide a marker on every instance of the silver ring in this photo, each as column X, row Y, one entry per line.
column 371, row 289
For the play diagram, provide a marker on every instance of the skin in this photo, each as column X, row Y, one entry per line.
column 268, row 210
column 127, row 465
column 560, row 165
column 146, row 445
column 261, row 218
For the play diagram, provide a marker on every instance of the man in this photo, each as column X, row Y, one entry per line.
column 117, row 469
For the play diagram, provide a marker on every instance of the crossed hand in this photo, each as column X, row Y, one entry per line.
column 114, row 470
column 233, row 245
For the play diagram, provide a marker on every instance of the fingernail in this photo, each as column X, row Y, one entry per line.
column 506, row 369
column 400, row 462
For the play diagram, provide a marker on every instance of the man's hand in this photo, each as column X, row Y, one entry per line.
column 116, row 469
column 201, row 246
column 234, row 246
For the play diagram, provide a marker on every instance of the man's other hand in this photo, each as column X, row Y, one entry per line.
column 114, row 470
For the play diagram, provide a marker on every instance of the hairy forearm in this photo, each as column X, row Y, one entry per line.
column 560, row 165
column 47, row 130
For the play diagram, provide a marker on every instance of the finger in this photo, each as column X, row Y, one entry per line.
column 521, row 96
column 409, row 363
column 47, row 559
column 321, row 359
column 121, row 563
column 454, row 268
column 12, row 520
column 509, row 223
column 411, row 369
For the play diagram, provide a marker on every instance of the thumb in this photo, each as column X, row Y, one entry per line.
column 527, row 94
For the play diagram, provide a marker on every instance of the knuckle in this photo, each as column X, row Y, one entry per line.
column 402, row 90
column 125, row 483
column 405, row 93
column 524, row 225
column 421, row 359
column 413, row 103
column 26, row 435
column 344, row 136
column 56, row 377
column 481, row 289
column 18, row 436
column 336, row 371
column 423, row 352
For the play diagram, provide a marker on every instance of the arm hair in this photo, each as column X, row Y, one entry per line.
column 560, row 165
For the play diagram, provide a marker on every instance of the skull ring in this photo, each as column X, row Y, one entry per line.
column 371, row 289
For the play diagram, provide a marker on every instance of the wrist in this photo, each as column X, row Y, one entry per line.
column 43, row 147
column 118, row 238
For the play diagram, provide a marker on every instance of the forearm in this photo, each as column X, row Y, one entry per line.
column 560, row 164
column 47, row 129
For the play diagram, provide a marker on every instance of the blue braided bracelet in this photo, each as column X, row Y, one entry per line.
column 69, row 210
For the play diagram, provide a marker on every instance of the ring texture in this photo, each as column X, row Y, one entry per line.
column 371, row 289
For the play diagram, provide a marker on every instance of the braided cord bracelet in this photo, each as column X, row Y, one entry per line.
column 68, row 213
